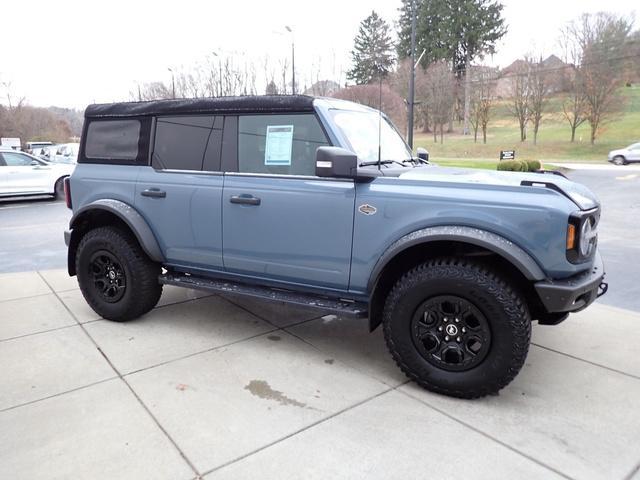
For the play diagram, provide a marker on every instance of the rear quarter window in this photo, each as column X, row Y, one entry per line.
column 113, row 140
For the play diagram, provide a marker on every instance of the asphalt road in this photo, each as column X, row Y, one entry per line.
column 31, row 233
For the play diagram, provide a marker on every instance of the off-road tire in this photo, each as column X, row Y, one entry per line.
column 619, row 160
column 142, row 290
column 504, row 310
column 58, row 189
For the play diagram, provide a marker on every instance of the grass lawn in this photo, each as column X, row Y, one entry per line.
column 553, row 137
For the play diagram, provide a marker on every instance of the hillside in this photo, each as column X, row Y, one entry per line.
column 553, row 137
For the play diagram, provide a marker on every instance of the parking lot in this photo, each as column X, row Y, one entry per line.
column 223, row 387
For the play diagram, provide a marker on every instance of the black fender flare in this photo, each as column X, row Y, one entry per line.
column 125, row 212
column 495, row 243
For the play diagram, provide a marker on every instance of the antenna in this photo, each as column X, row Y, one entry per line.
column 379, row 116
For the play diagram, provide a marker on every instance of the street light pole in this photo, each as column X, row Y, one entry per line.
column 412, row 76
column 173, row 84
column 293, row 60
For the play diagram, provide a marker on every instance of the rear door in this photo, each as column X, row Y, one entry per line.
column 280, row 221
column 180, row 193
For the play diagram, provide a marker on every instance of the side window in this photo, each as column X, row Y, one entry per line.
column 279, row 144
column 185, row 143
column 16, row 159
column 113, row 139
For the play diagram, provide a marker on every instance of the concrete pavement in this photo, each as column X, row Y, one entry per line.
column 224, row 387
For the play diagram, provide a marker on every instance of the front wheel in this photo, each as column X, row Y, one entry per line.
column 619, row 160
column 116, row 277
column 457, row 328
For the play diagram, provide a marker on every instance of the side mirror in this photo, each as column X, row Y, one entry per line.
column 34, row 163
column 423, row 154
column 336, row 162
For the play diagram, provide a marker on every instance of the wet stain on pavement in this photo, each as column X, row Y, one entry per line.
column 329, row 361
column 262, row 389
column 274, row 338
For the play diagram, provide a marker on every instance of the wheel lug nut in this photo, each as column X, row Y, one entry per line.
column 446, row 319
column 464, row 330
column 458, row 339
column 457, row 320
column 439, row 329
column 446, row 338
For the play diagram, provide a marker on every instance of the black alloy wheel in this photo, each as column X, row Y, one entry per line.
column 451, row 333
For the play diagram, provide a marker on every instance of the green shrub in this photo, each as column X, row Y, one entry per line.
column 513, row 166
column 534, row 165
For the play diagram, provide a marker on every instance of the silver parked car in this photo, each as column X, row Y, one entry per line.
column 625, row 155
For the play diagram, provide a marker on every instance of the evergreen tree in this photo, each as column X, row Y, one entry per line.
column 457, row 31
column 372, row 54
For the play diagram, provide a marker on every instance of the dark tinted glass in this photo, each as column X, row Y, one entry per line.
column 113, row 139
column 279, row 144
column 180, row 142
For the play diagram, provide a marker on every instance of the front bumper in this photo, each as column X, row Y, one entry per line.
column 67, row 237
column 574, row 293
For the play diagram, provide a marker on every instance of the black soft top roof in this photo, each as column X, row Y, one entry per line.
column 253, row 103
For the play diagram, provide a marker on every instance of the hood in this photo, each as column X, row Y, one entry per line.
column 578, row 193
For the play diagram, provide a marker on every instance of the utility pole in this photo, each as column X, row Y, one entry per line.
column 411, row 101
column 173, row 84
column 293, row 60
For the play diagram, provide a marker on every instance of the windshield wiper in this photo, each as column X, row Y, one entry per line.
column 381, row 162
column 416, row 160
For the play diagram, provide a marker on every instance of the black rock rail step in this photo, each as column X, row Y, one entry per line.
column 338, row 306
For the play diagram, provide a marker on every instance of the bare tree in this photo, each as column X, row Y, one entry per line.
column 482, row 97
column 521, row 96
column 439, row 85
column 574, row 105
column 603, row 42
column 539, row 83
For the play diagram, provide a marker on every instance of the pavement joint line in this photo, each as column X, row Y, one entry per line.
column 28, row 296
column 636, row 377
column 59, row 394
column 179, row 302
column 635, row 470
column 292, row 434
column 200, row 352
column 133, row 392
column 39, row 332
column 486, row 435
column 267, row 320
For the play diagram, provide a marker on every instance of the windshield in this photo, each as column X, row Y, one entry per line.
column 361, row 130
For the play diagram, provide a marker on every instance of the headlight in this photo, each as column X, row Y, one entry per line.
column 582, row 235
column 588, row 236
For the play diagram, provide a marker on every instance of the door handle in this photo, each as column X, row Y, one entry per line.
column 245, row 199
column 154, row 193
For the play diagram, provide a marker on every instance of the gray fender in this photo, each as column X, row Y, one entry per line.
column 495, row 243
column 131, row 217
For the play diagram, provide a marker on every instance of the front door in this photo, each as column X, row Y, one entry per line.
column 280, row 221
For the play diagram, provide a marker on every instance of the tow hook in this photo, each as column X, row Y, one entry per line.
column 602, row 288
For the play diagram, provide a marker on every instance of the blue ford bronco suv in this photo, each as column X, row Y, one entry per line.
column 319, row 202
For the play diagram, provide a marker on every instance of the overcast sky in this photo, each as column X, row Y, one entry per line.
column 71, row 53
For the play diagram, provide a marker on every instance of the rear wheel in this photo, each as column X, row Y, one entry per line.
column 58, row 189
column 457, row 328
column 619, row 160
column 116, row 277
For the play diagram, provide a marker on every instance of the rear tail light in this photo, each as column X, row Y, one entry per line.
column 67, row 192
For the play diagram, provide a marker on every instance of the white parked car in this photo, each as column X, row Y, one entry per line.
column 66, row 153
column 23, row 174
column 625, row 155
